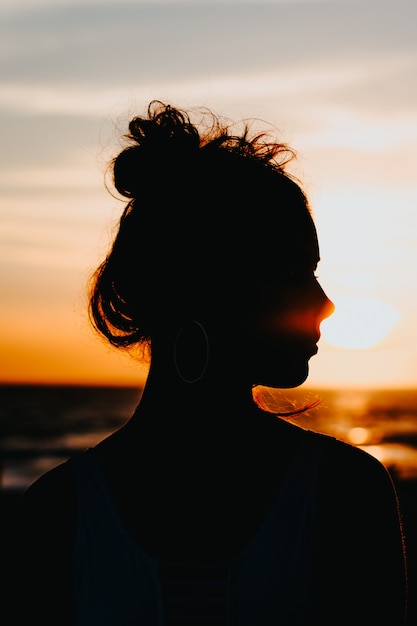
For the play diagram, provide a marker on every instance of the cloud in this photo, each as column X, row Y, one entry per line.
column 124, row 43
column 337, row 76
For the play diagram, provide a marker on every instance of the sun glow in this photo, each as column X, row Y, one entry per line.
column 359, row 323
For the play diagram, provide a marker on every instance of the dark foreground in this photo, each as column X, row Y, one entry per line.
column 407, row 493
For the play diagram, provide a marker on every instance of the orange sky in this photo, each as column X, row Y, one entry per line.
column 342, row 92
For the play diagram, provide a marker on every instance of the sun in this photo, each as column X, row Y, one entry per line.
column 359, row 323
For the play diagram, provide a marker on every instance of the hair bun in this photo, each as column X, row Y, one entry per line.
column 166, row 136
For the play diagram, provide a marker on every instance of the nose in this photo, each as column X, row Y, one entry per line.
column 328, row 307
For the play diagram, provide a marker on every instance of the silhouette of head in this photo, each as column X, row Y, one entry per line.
column 214, row 230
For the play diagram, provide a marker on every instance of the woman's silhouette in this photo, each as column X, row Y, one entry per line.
column 205, row 507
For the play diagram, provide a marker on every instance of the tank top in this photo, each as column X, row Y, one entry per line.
column 270, row 582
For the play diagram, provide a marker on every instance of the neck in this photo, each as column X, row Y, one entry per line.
column 209, row 392
column 214, row 403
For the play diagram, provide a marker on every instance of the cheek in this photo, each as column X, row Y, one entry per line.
column 296, row 314
column 278, row 362
column 286, row 324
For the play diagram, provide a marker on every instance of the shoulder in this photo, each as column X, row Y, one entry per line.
column 355, row 491
column 351, row 479
column 351, row 468
column 359, row 531
column 45, row 516
column 340, row 460
column 52, row 492
column 40, row 549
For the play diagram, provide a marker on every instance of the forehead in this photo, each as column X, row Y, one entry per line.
column 292, row 236
column 282, row 253
column 309, row 243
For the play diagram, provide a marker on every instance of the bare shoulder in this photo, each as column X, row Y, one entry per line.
column 360, row 547
column 354, row 487
column 45, row 516
column 53, row 493
column 343, row 463
column 40, row 550
column 346, row 469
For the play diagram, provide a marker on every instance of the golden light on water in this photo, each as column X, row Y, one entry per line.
column 359, row 323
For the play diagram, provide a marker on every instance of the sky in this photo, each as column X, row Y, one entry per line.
column 335, row 78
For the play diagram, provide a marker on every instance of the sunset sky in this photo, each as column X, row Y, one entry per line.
column 337, row 78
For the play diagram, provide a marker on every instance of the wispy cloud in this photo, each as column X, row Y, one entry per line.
column 336, row 76
column 126, row 43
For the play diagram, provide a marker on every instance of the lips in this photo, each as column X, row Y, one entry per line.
column 312, row 345
column 307, row 349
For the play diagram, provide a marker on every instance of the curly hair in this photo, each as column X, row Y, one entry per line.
column 200, row 202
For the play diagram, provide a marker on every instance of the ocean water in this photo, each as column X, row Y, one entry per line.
column 43, row 425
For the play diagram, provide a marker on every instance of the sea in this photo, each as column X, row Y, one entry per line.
column 42, row 425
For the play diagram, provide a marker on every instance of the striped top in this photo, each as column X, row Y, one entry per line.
column 194, row 593
column 269, row 582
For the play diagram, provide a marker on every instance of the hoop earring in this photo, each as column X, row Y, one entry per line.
column 182, row 335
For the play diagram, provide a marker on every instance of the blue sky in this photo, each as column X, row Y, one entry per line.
column 337, row 78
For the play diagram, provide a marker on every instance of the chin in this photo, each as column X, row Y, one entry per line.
column 292, row 377
column 296, row 376
column 295, row 382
